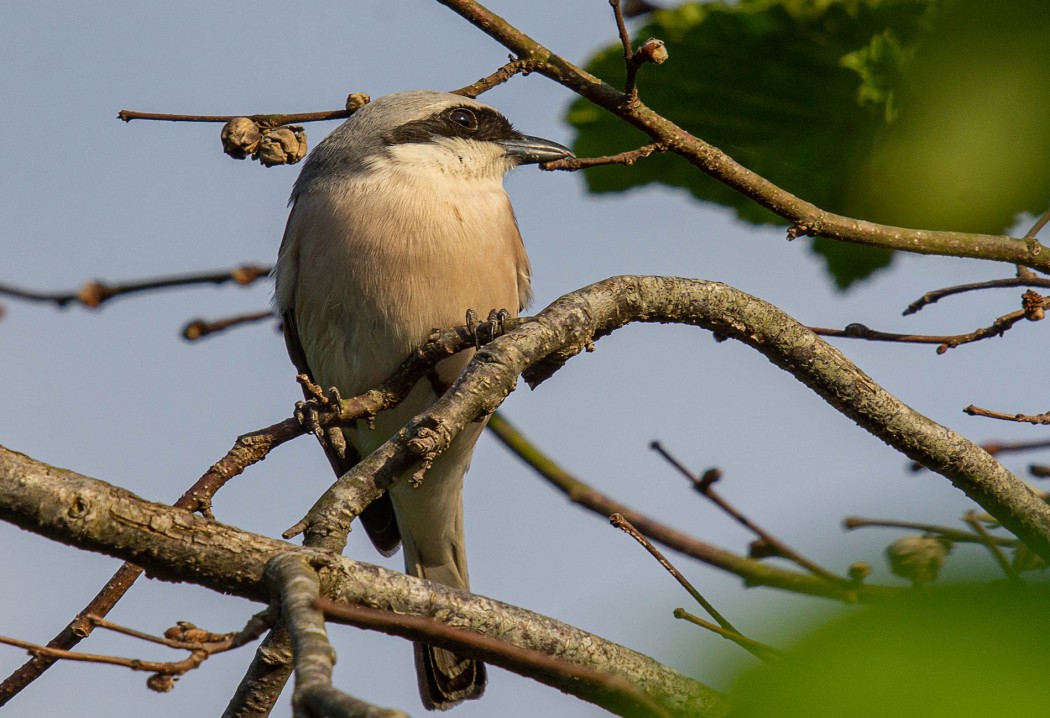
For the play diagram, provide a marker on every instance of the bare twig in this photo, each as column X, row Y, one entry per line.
column 952, row 534
column 1021, row 418
column 996, row 329
column 1026, row 279
column 1039, row 224
column 605, row 687
column 728, row 629
column 705, row 486
column 512, row 68
column 758, row 649
column 94, row 293
column 630, row 85
column 199, row 328
column 200, row 644
column 264, row 120
column 571, row 164
column 624, row 525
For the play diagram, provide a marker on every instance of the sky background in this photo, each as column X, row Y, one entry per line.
column 116, row 394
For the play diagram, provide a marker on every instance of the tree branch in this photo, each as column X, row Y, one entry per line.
column 92, row 294
column 575, row 321
column 296, row 585
column 175, row 545
column 805, row 218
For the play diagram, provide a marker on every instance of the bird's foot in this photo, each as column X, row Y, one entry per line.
column 311, row 411
column 494, row 326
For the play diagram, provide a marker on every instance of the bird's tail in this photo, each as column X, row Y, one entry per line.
column 445, row 678
column 430, row 520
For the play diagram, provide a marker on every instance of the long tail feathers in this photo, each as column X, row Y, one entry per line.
column 445, row 679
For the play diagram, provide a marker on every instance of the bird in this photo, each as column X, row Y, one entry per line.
column 400, row 224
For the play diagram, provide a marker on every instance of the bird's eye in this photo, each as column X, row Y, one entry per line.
column 464, row 118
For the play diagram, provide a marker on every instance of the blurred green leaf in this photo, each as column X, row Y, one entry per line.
column 960, row 651
column 921, row 113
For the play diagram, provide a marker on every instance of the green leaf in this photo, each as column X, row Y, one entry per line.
column 935, row 653
column 853, row 105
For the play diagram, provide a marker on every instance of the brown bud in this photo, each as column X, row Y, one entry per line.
column 248, row 273
column 93, row 293
column 917, row 558
column 284, row 145
column 356, row 100
column 240, row 137
column 160, row 682
column 652, row 50
column 1034, row 305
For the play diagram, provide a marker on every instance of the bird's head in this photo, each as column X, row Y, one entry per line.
column 428, row 134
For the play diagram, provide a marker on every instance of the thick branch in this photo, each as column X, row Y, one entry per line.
column 805, row 218
column 572, row 324
column 176, row 545
column 291, row 578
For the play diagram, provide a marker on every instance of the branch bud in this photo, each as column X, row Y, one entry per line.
column 284, row 145
column 652, row 50
column 240, row 137
column 918, row 558
column 356, row 100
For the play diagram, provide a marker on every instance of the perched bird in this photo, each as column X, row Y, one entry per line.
column 400, row 224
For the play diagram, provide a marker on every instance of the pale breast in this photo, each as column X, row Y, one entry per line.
column 376, row 270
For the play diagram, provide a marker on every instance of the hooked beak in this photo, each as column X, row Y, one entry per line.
column 526, row 150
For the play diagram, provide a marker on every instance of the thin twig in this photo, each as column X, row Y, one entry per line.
column 264, row 120
column 512, row 68
column 571, row 164
column 748, row 645
column 624, row 525
column 971, row 518
column 200, row 650
column 1020, row 418
column 1026, row 279
column 996, row 329
column 521, row 660
column 94, row 293
column 1039, row 224
column 135, row 664
column 199, row 328
column 758, row 649
column 705, row 486
column 952, row 534
column 630, row 86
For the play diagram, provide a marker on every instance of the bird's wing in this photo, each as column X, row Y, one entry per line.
column 378, row 517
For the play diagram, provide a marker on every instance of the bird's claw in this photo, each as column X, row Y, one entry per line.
column 494, row 324
column 472, row 327
column 310, row 412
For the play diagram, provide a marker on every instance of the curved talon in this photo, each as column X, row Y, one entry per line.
column 472, row 327
column 308, row 413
